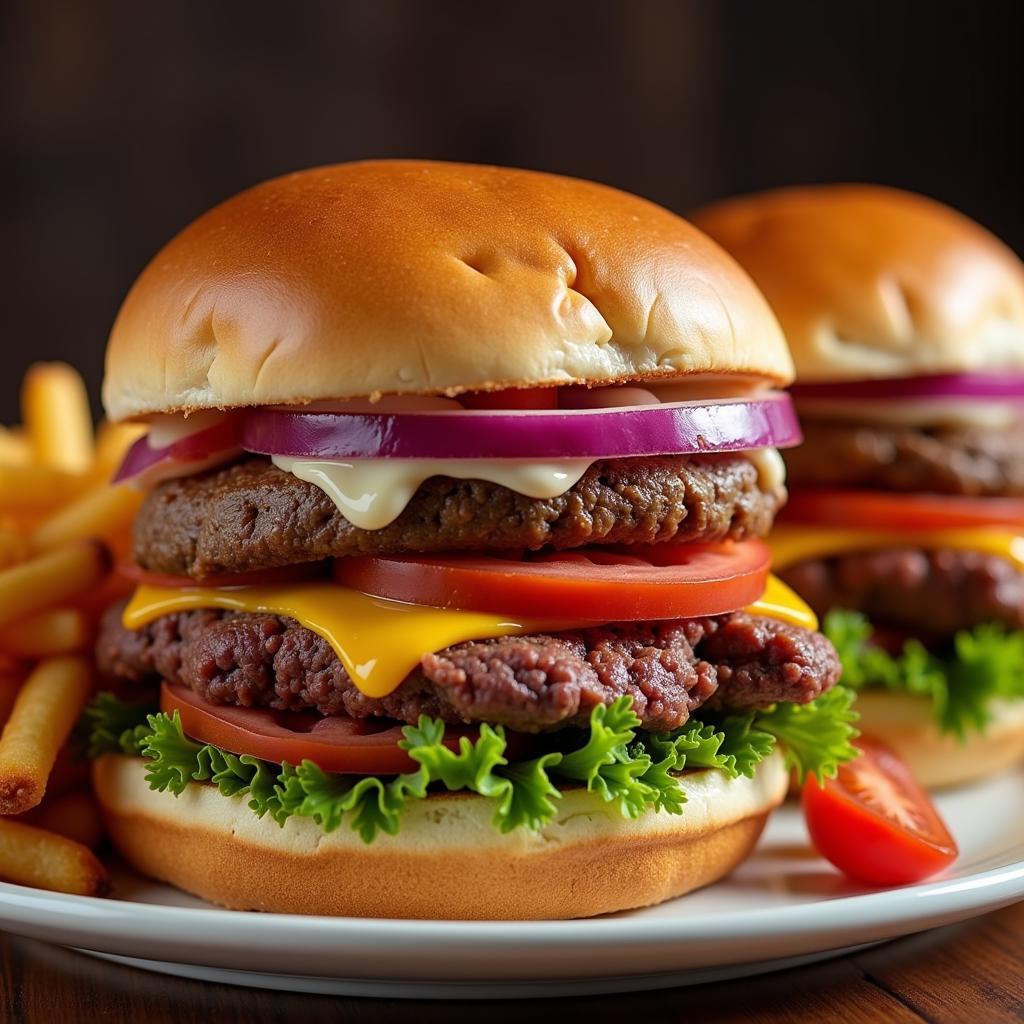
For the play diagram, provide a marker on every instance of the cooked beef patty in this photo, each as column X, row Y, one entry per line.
column 929, row 593
column 952, row 460
column 254, row 516
column 530, row 684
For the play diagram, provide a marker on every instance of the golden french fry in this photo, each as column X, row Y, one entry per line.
column 34, row 488
column 72, row 815
column 50, row 579
column 14, row 448
column 53, row 631
column 44, row 712
column 13, row 547
column 55, row 408
column 102, row 512
column 112, row 443
column 32, row 856
column 10, row 684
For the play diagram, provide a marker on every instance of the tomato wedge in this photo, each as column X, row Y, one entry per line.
column 875, row 822
column 337, row 743
column 511, row 398
column 900, row 511
column 664, row 581
column 282, row 574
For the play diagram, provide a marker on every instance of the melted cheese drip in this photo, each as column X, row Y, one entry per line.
column 371, row 493
column 380, row 642
column 792, row 543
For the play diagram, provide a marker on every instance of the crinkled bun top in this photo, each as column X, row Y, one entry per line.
column 872, row 282
column 409, row 277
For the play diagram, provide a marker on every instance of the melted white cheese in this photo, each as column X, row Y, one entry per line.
column 771, row 469
column 371, row 493
column 913, row 412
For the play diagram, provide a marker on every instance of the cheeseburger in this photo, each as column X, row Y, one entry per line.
column 906, row 524
column 452, row 599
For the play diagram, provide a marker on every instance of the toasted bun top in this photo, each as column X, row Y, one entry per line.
column 409, row 277
column 872, row 282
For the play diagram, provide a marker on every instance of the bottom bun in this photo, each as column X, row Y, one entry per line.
column 937, row 759
column 447, row 861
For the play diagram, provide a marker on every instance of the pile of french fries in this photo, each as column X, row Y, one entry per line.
column 62, row 526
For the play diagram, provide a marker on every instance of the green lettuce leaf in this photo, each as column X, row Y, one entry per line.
column 984, row 664
column 623, row 765
column 816, row 737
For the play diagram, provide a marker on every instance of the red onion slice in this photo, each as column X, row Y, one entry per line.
column 199, row 450
column 1007, row 387
column 681, row 428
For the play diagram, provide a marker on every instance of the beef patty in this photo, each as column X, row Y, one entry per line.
column 952, row 460
column 252, row 515
column 530, row 684
column 929, row 593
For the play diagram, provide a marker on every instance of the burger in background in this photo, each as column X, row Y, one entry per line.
column 905, row 528
column 452, row 588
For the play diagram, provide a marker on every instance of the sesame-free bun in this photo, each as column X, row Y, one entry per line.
column 872, row 282
column 447, row 861
column 411, row 277
column 906, row 723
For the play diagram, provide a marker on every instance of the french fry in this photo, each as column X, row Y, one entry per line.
column 10, row 684
column 55, row 408
column 104, row 511
column 36, row 488
column 50, row 579
column 44, row 712
column 32, row 856
column 53, row 631
column 72, row 815
column 112, row 443
column 14, row 448
column 13, row 547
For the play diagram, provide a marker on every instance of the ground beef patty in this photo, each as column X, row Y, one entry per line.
column 953, row 460
column 527, row 683
column 929, row 593
column 254, row 516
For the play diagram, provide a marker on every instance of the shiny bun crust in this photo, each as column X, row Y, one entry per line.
column 408, row 277
column 871, row 282
column 938, row 760
column 447, row 861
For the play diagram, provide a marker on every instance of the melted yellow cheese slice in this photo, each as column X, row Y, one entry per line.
column 380, row 642
column 792, row 543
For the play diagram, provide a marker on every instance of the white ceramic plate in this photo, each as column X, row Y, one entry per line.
column 783, row 907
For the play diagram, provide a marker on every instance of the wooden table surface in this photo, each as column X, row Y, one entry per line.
column 973, row 972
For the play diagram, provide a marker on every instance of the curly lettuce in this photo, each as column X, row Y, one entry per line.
column 631, row 770
column 985, row 663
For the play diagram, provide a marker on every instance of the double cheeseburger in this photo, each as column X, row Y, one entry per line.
column 906, row 524
column 452, row 599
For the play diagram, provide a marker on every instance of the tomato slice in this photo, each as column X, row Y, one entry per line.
column 511, row 398
column 900, row 511
column 281, row 574
column 875, row 822
column 660, row 581
column 336, row 743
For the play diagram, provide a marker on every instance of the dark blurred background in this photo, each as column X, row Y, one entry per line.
column 121, row 121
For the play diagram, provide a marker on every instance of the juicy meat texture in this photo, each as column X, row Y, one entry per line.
column 252, row 516
column 927, row 593
column 951, row 460
column 530, row 684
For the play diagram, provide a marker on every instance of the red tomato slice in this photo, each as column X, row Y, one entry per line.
column 511, row 398
column 336, row 743
column 663, row 581
column 901, row 511
column 282, row 574
column 875, row 822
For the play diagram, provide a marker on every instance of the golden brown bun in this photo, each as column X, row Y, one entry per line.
column 448, row 861
column 409, row 277
column 872, row 282
column 906, row 724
